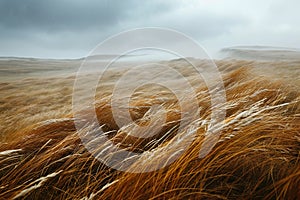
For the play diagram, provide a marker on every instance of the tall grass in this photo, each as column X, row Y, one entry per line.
column 256, row 156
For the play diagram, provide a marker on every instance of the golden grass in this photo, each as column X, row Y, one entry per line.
column 256, row 157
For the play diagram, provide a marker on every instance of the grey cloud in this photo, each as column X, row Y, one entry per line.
column 71, row 28
column 56, row 15
column 63, row 24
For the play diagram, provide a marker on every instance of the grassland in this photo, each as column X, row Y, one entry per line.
column 256, row 156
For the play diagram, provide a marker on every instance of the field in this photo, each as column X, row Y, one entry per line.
column 255, row 157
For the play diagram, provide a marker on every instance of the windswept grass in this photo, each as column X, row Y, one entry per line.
column 256, row 156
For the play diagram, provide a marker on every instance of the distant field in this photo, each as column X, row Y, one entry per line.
column 257, row 154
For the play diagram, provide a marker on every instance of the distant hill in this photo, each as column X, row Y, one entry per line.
column 267, row 53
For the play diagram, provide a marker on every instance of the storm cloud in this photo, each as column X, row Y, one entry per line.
column 71, row 28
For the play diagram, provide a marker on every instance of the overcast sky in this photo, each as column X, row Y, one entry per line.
column 72, row 28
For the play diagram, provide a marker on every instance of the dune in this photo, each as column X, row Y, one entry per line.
column 255, row 157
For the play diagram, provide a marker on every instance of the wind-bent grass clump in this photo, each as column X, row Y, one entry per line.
column 256, row 157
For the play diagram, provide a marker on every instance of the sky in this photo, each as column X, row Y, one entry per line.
column 72, row 28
